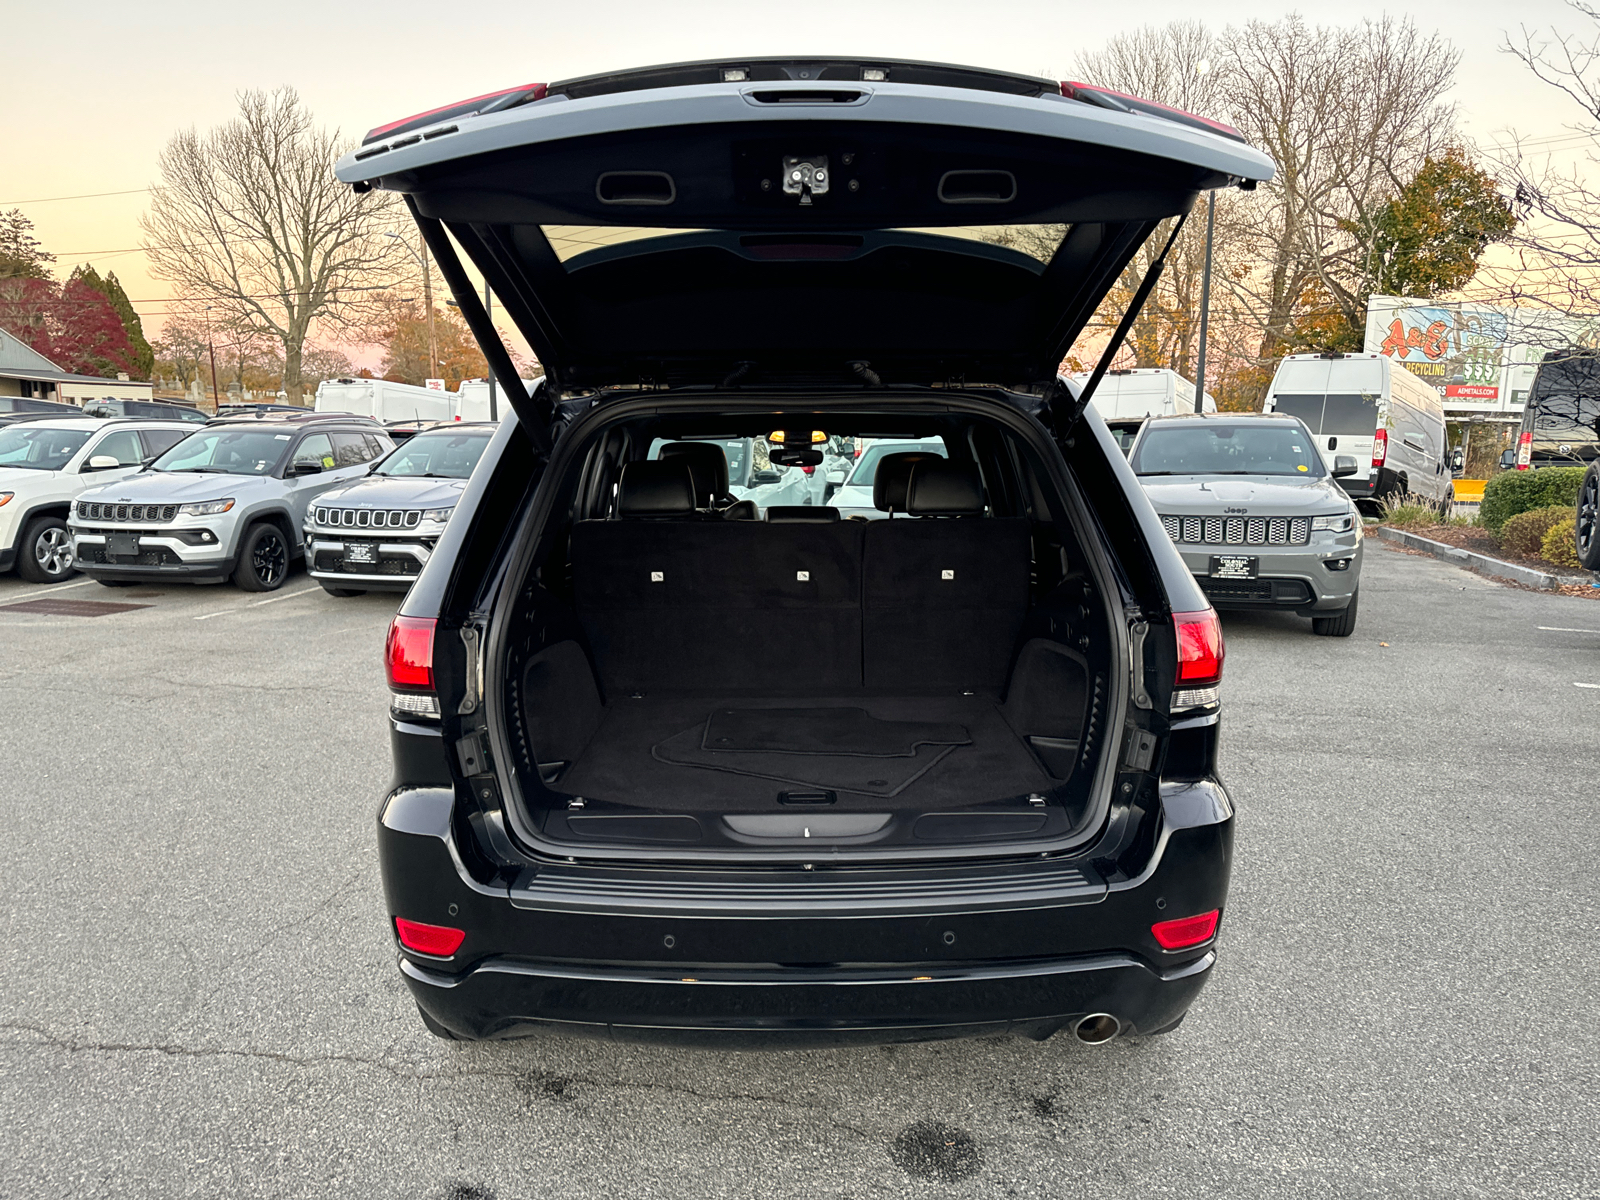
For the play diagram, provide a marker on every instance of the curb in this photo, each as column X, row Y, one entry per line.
column 1466, row 558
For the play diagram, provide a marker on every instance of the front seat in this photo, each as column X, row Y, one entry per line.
column 893, row 477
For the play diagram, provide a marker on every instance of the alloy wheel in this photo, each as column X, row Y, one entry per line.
column 53, row 551
column 270, row 558
column 1588, row 514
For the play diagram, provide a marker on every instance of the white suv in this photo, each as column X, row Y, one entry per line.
column 230, row 499
column 46, row 463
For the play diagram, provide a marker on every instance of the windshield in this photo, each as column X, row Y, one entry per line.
column 437, row 456
column 867, row 467
column 226, row 452
column 1254, row 448
column 38, row 449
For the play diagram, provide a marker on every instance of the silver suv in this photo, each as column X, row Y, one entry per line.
column 376, row 533
column 1255, row 514
column 230, row 499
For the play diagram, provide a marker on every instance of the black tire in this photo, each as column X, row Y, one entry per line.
column 1448, row 503
column 263, row 559
column 104, row 582
column 44, row 555
column 1169, row 1027
column 1341, row 623
column 1589, row 519
column 438, row 1030
column 343, row 593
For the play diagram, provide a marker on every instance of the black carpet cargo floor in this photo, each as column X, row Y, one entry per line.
column 651, row 752
column 824, row 731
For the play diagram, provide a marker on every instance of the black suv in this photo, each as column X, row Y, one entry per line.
column 669, row 764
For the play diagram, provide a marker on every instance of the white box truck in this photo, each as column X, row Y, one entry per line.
column 382, row 400
column 1379, row 413
column 1125, row 398
column 471, row 400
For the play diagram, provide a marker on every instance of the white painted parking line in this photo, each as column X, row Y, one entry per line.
column 286, row 596
column 221, row 613
column 60, row 587
column 1559, row 629
column 1587, row 685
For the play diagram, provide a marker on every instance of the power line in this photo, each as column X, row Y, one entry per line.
column 84, row 196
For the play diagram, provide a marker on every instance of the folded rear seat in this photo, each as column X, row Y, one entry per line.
column 944, row 594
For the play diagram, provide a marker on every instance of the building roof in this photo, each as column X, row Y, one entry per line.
column 16, row 356
column 55, row 376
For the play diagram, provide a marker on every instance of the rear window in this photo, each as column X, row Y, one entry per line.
column 1566, row 398
column 1334, row 414
column 1256, row 448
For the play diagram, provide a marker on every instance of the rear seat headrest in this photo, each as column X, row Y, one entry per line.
column 944, row 489
column 801, row 512
column 893, row 474
column 707, row 463
column 655, row 489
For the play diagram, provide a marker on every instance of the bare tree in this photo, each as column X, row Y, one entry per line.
column 1348, row 115
column 250, row 218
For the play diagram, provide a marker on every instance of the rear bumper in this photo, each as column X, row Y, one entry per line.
column 690, row 955
column 504, row 998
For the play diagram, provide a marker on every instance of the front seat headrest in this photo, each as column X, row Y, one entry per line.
column 893, row 474
column 707, row 463
column 944, row 489
column 655, row 489
column 801, row 512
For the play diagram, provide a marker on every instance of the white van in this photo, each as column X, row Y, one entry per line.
column 382, row 400
column 1376, row 411
column 1125, row 398
column 471, row 400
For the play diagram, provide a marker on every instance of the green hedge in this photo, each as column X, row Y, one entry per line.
column 1513, row 492
column 1560, row 545
column 1524, row 533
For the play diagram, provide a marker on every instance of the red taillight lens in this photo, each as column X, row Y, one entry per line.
column 1104, row 97
column 1200, row 649
column 408, row 654
column 1380, row 447
column 1525, row 450
column 1186, row 931
column 439, row 940
column 502, row 98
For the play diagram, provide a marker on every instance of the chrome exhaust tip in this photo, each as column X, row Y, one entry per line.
column 1097, row 1028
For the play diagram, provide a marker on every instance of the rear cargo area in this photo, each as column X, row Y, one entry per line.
column 701, row 680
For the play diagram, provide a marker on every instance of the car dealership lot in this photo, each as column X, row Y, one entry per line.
column 200, row 997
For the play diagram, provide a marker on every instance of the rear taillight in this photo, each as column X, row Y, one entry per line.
column 441, row 941
column 1183, row 932
column 408, row 662
column 488, row 102
column 1200, row 654
column 1380, row 447
column 1524, row 450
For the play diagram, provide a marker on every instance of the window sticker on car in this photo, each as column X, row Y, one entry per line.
column 327, row 462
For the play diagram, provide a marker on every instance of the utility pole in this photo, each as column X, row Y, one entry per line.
column 216, row 405
column 1205, row 306
column 427, row 299
column 488, row 307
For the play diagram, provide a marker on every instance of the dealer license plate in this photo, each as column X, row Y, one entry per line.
column 122, row 545
column 359, row 553
column 1233, row 566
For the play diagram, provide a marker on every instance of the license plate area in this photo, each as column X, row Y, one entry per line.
column 360, row 552
column 122, row 545
column 1233, row 566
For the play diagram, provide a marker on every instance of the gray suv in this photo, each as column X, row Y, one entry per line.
column 228, row 500
column 1255, row 514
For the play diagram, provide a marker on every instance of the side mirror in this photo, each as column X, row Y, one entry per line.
column 1508, row 459
column 101, row 462
column 1344, row 464
column 305, row 468
column 1457, row 460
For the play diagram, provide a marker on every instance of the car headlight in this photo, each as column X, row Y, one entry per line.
column 208, row 508
column 1343, row 523
column 440, row 515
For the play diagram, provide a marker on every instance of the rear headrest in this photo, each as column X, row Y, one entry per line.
column 944, row 489
column 893, row 473
column 707, row 464
column 801, row 512
column 655, row 489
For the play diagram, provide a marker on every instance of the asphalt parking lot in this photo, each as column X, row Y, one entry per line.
column 199, row 998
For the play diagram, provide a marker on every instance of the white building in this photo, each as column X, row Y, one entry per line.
column 25, row 372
